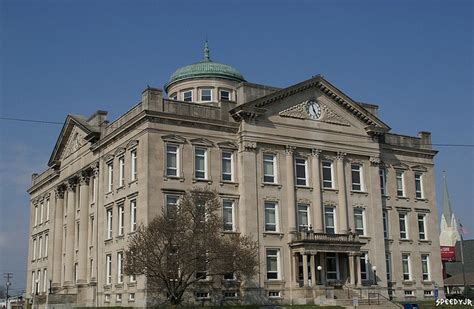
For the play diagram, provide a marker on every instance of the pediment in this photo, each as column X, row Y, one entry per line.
column 202, row 142
column 227, row 145
column 173, row 138
column 119, row 151
column 400, row 166
column 419, row 168
column 302, row 111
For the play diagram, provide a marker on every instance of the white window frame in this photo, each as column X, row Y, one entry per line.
column 120, row 267
column 303, row 180
column 225, row 206
column 109, row 226
column 273, row 162
column 224, row 153
column 403, row 217
column 406, row 276
column 33, row 282
column 46, row 240
column 131, row 297
column 133, row 164
column 383, row 181
column 425, row 258
column 359, row 230
column 132, row 278
column 34, row 248
column 201, row 94
column 108, row 269
column 106, row 298
column 400, row 183
column 202, row 295
column 277, row 256
column 183, row 95
column 327, row 184
column 36, row 215
column 40, row 246
column 121, row 219
column 301, row 210
column 168, row 205
column 357, row 186
column 110, row 176
column 364, row 258
column 41, row 212
column 421, row 218
column 386, row 224
column 408, row 293
column 118, row 297
column 419, row 194
column 173, row 153
column 121, row 171
column 268, row 205
column 47, row 210
column 133, row 215
column 333, row 213
column 45, row 280
column 204, row 156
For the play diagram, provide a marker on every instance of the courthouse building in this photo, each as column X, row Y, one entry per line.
column 339, row 206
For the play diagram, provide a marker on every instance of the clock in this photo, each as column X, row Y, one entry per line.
column 314, row 110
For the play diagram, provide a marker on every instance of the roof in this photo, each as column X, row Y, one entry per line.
column 454, row 268
column 458, row 279
column 205, row 68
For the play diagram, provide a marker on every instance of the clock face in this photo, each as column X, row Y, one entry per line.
column 314, row 110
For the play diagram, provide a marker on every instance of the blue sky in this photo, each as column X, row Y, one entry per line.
column 413, row 58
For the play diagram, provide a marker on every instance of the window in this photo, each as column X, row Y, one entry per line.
column 224, row 95
column 383, row 181
column 206, row 95
column 171, row 204
column 40, row 246
column 418, row 185
column 400, row 186
column 273, row 264
column 47, row 210
column 118, row 298
column 406, row 266
column 332, row 266
column 364, row 266
column 119, row 267
column 174, row 96
column 202, row 295
column 201, row 274
column 91, row 231
column 38, row 279
column 34, row 249
column 200, row 162
column 46, row 239
column 134, row 159
column 388, row 265
column 121, row 214
column 230, row 276
column 402, row 219
column 408, row 292
column 303, row 217
column 271, row 217
column 36, row 215
column 327, row 174
column 230, row 294
column 108, row 269
column 329, row 224
column 359, row 218
column 133, row 215
column 301, row 171
column 357, row 184
column 425, row 267
column 77, row 235
column 421, row 227
column 121, row 171
column 228, row 215
column 273, row 294
column 107, row 298
column 75, row 273
column 428, row 292
column 109, row 224
column 131, row 297
column 41, row 212
column 227, row 166
column 172, row 160
column 385, row 225
column 269, row 172
column 188, row 96
column 133, row 278
column 110, row 173
column 33, row 290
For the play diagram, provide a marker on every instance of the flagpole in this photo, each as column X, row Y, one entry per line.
column 462, row 257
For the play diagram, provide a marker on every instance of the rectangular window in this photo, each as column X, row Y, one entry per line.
column 110, row 178
column 327, row 174
column 228, row 215
column 47, row 210
column 33, row 287
column 46, row 240
column 202, row 295
column 34, row 249
column 133, row 159
column 303, row 217
column 329, row 224
column 40, row 247
column 131, row 297
column 108, row 269
column 421, row 227
column 121, row 171
column 301, row 171
column 200, row 162
column 385, row 225
column 400, row 185
column 383, row 182
column 357, row 183
column 273, row 264
column 94, row 189
column 172, row 160
column 230, row 294
column 107, row 298
column 364, row 268
column 109, row 224
column 41, row 212
column 36, row 215
column 425, row 267
column 271, row 217
column 133, row 278
column 224, row 95
column 402, row 219
column 121, row 218
column 188, row 96
column 227, row 166
column 118, row 298
column 274, row 294
column 269, row 172
column 418, row 185
column 406, row 267
column 133, row 215
column 171, row 204
column 428, row 293
column 206, row 95
column 75, row 273
column 388, row 265
column 331, row 266
column 119, row 267
column 359, row 221
column 408, row 292
column 76, row 244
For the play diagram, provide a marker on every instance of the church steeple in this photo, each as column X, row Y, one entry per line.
column 447, row 210
column 449, row 233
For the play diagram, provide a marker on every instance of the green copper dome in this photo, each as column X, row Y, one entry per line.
column 205, row 68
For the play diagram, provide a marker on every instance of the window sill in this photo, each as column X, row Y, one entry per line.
column 107, row 286
column 209, row 181
column 424, row 241
column 386, row 197
column 359, row 192
column 107, row 194
column 166, row 178
column 122, row 187
column 303, row 187
column 427, row 282
column 330, row 190
column 271, row 184
column 421, row 200
column 402, row 198
column 408, row 282
column 406, row 240
column 134, row 283
column 119, row 285
column 228, row 182
column 265, row 234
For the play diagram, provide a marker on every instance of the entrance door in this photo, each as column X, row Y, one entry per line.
column 332, row 267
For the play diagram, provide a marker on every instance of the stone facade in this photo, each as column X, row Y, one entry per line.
column 336, row 202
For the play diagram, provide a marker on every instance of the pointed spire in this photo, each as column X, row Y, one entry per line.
column 206, row 51
column 447, row 210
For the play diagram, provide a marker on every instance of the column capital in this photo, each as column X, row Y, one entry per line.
column 340, row 156
column 249, row 146
column 59, row 192
column 84, row 179
column 71, row 185
column 289, row 150
column 375, row 161
column 94, row 168
column 316, row 153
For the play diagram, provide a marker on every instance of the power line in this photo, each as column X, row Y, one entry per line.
column 359, row 142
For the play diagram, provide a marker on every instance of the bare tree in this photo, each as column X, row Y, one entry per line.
column 187, row 245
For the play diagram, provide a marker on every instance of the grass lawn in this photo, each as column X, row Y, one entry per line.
column 430, row 304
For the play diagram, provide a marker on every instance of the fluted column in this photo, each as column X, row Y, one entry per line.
column 290, row 185
column 69, row 260
column 317, row 196
column 305, row 270
column 83, row 228
column 342, row 207
column 58, row 237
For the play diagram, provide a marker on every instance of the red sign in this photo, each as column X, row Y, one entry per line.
column 448, row 253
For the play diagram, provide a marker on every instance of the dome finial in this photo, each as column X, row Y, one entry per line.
column 206, row 51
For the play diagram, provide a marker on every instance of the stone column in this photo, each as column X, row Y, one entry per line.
column 322, row 263
column 58, row 238
column 342, row 207
column 357, row 267
column 290, row 187
column 83, row 228
column 248, row 188
column 351, row 268
column 305, row 270
column 317, row 196
column 69, row 260
column 312, row 265
column 297, row 269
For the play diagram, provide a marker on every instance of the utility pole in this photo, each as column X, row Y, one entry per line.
column 7, row 276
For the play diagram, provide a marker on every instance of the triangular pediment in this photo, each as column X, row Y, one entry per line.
column 202, row 142
column 173, row 138
column 75, row 134
column 227, row 145
column 303, row 111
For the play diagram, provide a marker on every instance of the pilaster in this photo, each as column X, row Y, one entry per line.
column 342, row 207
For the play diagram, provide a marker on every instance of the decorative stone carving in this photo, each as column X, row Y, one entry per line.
column 375, row 161
column 94, row 167
column 329, row 203
column 173, row 138
column 419, row 168
column 400, row 166
column 249, row 146
column 71, row 185
column 340, row 156
column 132, row 144
column 108, row 157
column 59, row 192
column 300, row 111
column 84, row 179
column 119, row 151
column 75, row 141
column 316, row 152
column 289, row 150
column 227, row 145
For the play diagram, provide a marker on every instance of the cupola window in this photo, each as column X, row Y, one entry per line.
column 174, row 96
column 224, row 95
column 188, row 96
column 206, row 95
